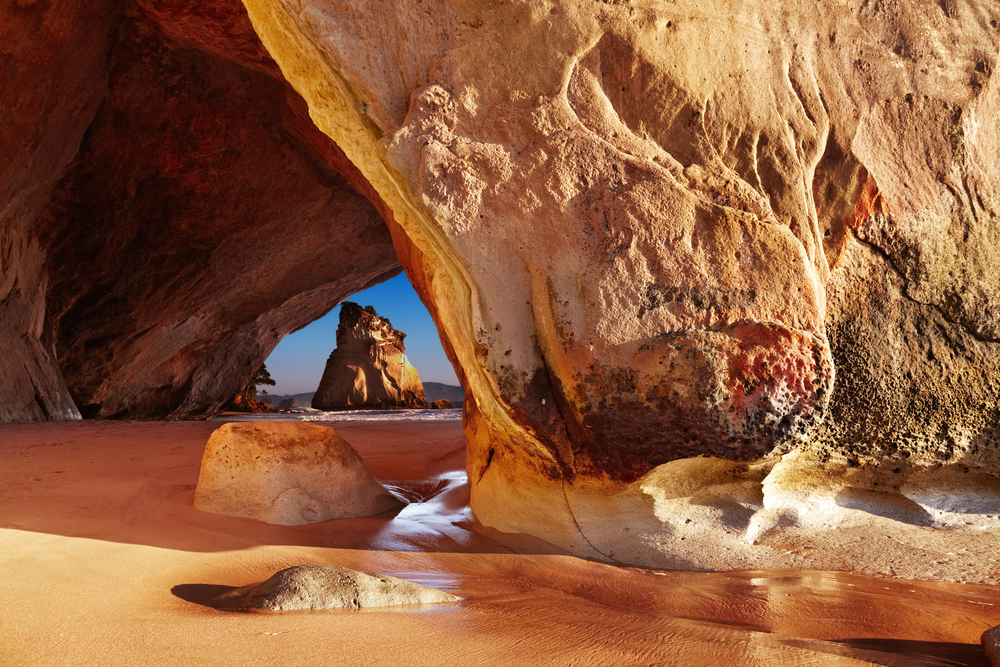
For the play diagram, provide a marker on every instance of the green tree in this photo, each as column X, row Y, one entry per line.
column 261, row 377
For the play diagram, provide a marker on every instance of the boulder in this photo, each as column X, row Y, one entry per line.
column 442, row 404
column 287, row 404
column 368, row 369
column 286, row 473
column 328, row 587
column 640, row 231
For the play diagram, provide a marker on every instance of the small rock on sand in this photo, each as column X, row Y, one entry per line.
column 328, row 587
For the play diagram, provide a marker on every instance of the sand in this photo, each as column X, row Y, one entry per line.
column 106, row 562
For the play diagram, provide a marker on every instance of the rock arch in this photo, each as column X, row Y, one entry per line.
column 645, row 232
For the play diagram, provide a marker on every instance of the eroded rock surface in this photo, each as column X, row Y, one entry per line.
column 368, row 369
column 287, row 473
column 624, row 219
column 329, row 587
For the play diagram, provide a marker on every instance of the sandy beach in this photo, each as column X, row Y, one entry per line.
column 106, row 562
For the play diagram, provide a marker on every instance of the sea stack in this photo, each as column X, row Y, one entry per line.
column 369, row 368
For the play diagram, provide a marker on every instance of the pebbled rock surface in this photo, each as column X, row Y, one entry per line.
column 368, row 369
column 286, row 473
column 625, row 220
column 328, row 587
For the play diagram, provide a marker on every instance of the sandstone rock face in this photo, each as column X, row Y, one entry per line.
column 286, row 473
column 369, row 368
column 59, row 49
column 642, row 229
column 329, row 587
column 169, row 212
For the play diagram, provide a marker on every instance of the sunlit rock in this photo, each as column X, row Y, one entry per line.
column 329, row 587
column 287, row 473
column 624, row 220
column 369, row 368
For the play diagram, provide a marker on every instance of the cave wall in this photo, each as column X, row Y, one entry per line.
column 62, row 50
column 177, row 217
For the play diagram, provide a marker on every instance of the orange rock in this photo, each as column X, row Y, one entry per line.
column 168, row 214
column 368, row 369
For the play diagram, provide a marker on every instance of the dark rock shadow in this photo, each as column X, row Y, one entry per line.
column 889, row 505
column 924, row 653
column 201, row 594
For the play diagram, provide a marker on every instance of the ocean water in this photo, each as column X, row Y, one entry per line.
column 312, row 415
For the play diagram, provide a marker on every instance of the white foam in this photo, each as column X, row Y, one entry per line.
column 312, row 415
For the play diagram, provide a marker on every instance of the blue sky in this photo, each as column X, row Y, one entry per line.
column 297, row 363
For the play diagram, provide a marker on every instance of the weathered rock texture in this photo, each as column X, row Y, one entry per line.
column 168, row 210
column 648, row 232
column 287, row 473
column 368, row 369
column 329, row 587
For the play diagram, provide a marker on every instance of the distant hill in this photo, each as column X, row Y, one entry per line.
column 301, row 400
column 435, row 390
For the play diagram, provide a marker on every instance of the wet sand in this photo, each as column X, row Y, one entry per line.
column 106, row 562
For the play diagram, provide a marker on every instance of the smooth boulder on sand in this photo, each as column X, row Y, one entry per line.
column 287, row 473
column 328, row 587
